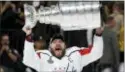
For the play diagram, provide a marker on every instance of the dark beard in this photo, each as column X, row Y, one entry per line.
column 63, row 53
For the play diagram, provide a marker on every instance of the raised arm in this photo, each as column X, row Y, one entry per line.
column 93, row 52
column 30, row 57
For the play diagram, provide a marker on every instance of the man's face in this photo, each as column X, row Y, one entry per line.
column 5, row 40
column 58, row 48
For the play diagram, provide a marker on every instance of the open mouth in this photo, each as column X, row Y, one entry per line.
column 58, row 49
column 58, row 52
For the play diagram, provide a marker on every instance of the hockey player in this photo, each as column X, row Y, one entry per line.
column 58, row 58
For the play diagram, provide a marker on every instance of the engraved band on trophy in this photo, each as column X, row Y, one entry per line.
column 69, row 15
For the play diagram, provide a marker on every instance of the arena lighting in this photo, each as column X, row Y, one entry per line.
column 70, row 16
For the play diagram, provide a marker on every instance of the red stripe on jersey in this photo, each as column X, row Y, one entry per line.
column 39, row 55
column 86, row 50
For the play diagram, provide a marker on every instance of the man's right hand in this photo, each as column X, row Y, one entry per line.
column 27, row 30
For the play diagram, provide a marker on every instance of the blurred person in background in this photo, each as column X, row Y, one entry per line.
column 8, row 56
column 20, row 11
column 118, row 17
column 5, row 6
column 121, row 46
column 39, row 43
column 121, row 39
column 10, row 59
column 12, row 15
column 119, row 28
column 109, row 62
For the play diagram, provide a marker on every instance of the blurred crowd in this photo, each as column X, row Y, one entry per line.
column 113, row 36
column 12, row 20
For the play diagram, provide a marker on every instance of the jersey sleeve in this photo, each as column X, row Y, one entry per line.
column 31, row 58
column 92, row 53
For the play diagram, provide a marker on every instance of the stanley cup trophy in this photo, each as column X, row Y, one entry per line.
column 68, row 15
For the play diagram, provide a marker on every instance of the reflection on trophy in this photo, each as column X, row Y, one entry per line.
column 68, row 15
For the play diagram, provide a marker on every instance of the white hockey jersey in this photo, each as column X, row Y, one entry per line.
column 74, row 59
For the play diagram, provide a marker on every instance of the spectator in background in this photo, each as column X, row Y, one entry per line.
column 8, row 56
column 121, row 42
column 118, row 17
column 121, row 46
column 10, row 60
column 10, row 16
column 39, row 43
column 5, row 6
column 110, row 59
column 119, row 28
